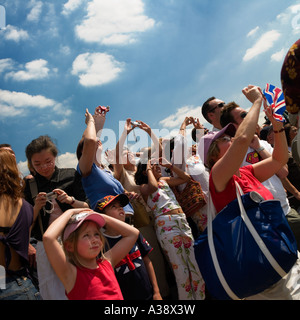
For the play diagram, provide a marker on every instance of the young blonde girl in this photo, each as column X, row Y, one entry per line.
column 83, row 275
column 172, row 229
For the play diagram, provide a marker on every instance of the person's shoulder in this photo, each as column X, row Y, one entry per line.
column 67, row 170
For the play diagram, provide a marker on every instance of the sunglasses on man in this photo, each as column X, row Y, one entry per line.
column 219, row 105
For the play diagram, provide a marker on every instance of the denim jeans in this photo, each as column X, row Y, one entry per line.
column 19, row 288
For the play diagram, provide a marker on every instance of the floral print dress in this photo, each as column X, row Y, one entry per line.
column 175, row 237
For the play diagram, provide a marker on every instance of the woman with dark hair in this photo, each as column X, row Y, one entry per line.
column 51, row 191
column 16, row 218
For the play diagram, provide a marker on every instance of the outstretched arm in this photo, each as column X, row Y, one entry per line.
column 118, row 166
column 228, row 164
column 89, row 146
column 152, row 185
column 157, row 145
column 99, row 117
column 266, row 168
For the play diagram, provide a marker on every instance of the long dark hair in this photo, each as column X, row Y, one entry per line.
column 140, row 176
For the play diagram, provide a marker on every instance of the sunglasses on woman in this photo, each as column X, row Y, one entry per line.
column 243, row 114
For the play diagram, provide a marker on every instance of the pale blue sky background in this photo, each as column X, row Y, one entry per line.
column 152, row 60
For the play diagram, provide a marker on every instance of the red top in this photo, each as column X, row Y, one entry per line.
column 247, row 182
column 96, row 284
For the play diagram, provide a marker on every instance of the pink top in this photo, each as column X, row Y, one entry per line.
column 96, row 284
column 247, row 182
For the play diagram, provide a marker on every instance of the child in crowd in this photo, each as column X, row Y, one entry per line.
column 83, row 275
column 135, row 273
column 172, row 228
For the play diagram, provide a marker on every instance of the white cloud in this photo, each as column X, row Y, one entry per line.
column 264, row 43
column 70, row 6
column 14, row 103
column 61, row 109
column 279, row 55
column 22, row 99
column 23, row 168
column 3, row 17
column 36, row 10
column 6, row 64
column 15, row 34
column 175, row 120
column 294, row 8
column 96, row 69
column 65, row 50
column 67, row 160
column 253, row 31
column 34, row 70
column 287, row 16
column 114, row 22
column 61, row 123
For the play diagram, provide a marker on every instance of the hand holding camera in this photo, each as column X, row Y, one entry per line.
column 51, row 196
column 102, row 110
column 135, row 123
column 143, row 126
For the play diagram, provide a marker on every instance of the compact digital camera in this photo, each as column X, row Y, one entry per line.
column 135, row 123
column 51, row 196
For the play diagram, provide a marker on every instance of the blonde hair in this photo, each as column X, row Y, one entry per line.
column 73, row 239
column 212, row 154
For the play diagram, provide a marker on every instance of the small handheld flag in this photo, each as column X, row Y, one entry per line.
column 275, row 99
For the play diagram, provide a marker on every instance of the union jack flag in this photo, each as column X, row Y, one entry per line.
column 275, row 99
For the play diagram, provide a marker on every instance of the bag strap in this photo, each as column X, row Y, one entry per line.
column 34, row 192
column 253, row 232
column 33, row 188
column 255, row 235
column 213, row 253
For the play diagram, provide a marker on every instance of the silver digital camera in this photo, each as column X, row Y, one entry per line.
column 51, row 196
column 135, row 123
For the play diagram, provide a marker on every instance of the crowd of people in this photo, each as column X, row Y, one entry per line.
column 117, row 229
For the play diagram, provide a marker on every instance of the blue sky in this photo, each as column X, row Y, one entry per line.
column 151, row 60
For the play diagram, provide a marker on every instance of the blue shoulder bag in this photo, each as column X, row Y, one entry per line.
column 247, row 248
